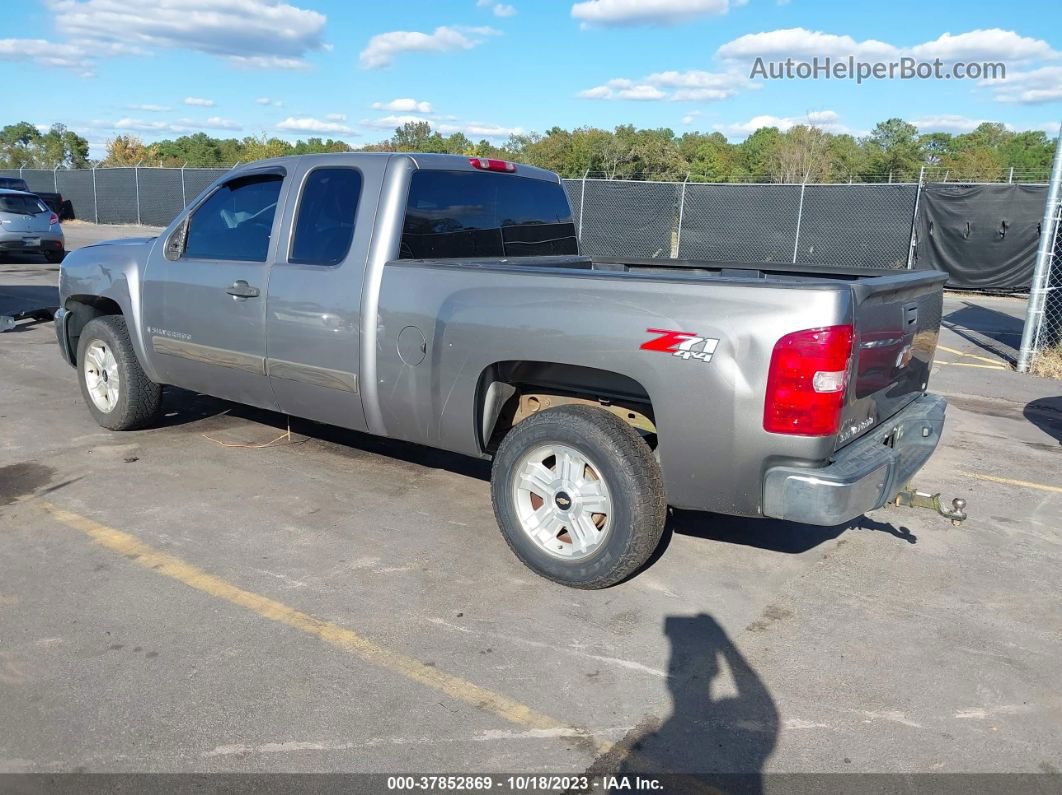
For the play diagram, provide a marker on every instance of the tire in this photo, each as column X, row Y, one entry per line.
column 592, row 452
column 54, row 256
column 136, row 400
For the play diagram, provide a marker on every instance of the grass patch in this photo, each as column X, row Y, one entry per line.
column 1048, row 362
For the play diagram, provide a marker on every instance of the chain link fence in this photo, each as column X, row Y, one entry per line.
column 151, row 196
column 1041, row 341
column 867, row 224
column 861, row 224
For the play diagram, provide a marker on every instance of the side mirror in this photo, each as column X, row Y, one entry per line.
column 175, row 244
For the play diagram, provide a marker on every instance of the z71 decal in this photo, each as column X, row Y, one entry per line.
column 682, row 344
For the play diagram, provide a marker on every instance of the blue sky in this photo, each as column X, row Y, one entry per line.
column 353, row 70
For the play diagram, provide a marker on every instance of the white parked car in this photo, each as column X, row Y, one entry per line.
column 28, row 226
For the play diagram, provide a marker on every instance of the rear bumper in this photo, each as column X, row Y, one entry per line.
column 863, row 476
column 45, row 241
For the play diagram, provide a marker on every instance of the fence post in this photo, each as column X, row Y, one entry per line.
column 55, row 179
column 1034, row 313
column 136, row 178
column 184, row 190
column 582, row 196
column 20, row 171
column 914, row 217
column 95, row 200
column 1010, row 177
column 800, row 217
column 682, row 207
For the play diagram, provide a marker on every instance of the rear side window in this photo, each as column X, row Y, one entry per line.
column 23, row 205
column 235, row 223
column 11, row 183
column 469, row 214
column 325, row 223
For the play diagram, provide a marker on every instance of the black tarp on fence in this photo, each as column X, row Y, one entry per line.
column 983, row 236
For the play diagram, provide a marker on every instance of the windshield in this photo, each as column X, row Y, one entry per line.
column 23, row 205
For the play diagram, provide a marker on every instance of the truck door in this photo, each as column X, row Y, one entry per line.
column 204, row 292
column 314, row 304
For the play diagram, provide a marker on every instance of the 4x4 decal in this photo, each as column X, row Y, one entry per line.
column 682, row 344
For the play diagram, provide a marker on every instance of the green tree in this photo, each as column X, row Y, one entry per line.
column 893, row 151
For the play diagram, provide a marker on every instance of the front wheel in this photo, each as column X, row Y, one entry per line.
column 578, row 496
column 118, row 393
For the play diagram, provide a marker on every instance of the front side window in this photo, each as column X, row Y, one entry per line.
column 473, row 214
column 235, row 223
column 325, row 223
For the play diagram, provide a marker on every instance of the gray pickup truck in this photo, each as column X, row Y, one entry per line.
column 442, row 300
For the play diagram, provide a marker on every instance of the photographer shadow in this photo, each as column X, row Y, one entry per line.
column 723, row 724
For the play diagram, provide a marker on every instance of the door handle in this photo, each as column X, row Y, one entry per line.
column 241, row 289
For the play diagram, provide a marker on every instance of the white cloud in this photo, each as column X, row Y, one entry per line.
column 336, row 116
column 133, row 124
column 826, row 120
column 308, row 124
column 984, row 45
column 179, row 126
column 149, row 108
column 1028, row 88
column 260, row 33
column 404, row 105
column 56, row 54
column 276, row 103
column 691, row 117
column 267, row 62
column 473, row 129
column 646, row 12
column 499, row 9
column 948, row 122
column 478, row 129
column 199, row 101
column 391, row 121
column 800, row 43
column 622, row 88
column 384, row 47
column 212, row 123
column 691, row 85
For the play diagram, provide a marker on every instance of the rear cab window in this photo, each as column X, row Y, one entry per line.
column 324, row 226
column 22, row 205
column 464, row 214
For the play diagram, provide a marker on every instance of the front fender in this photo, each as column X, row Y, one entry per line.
column 95, row 279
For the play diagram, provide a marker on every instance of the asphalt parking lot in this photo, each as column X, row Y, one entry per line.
column 183, row 599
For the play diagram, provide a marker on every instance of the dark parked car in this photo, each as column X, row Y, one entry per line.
column 61, row 207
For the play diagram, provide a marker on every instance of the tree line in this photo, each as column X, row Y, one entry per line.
column 894, row 150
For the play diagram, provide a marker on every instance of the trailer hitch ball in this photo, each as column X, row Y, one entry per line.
column 912, row 498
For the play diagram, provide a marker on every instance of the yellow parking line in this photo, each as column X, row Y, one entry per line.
column 1010, row 482
column 428, row 675
column 967, row 355
column 973, row 364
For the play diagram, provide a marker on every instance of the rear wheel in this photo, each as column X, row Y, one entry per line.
column 118, row 393
column 54, row 255
column 578, row 496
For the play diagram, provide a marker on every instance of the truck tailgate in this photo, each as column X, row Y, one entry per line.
column 897, row 322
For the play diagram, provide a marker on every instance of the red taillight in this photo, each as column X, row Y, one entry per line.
column 53, row 219
column 807, row 381
column 488, row 164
